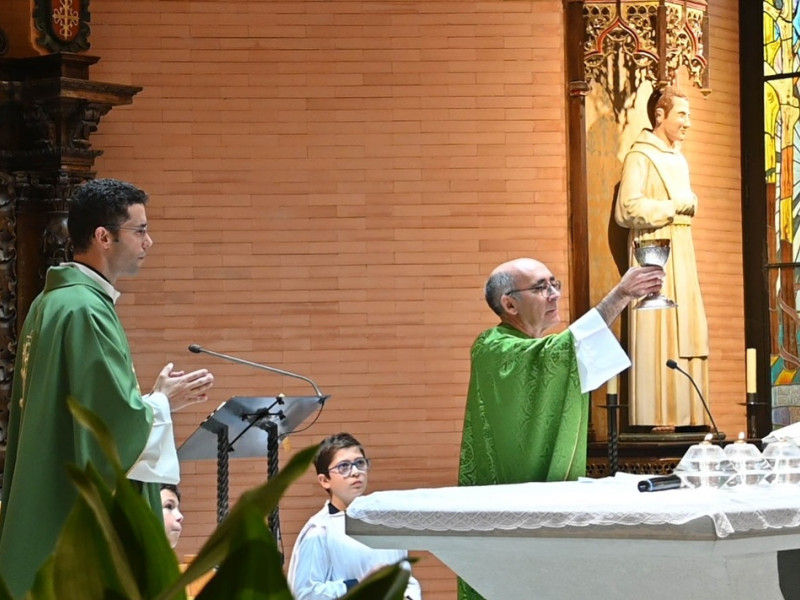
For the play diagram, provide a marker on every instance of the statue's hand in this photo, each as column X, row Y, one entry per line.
column 685, row 206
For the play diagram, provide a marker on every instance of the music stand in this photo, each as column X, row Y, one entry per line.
column 247, row 427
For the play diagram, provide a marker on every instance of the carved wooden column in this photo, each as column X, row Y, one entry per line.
column 577, row 87
column 49, row 109
column 8, row 278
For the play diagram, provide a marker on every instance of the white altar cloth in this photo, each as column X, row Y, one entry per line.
column 594, row 538
column 610, row 501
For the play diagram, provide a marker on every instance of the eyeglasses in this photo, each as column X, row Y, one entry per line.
column 345, row 468
column 141, row 231
column 542, row 289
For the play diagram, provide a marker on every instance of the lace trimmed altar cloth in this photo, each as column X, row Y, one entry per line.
column 589, row 502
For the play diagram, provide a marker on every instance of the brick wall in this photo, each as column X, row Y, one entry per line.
column 330, row 184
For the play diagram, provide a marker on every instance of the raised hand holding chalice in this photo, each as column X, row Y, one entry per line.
column 652, row 253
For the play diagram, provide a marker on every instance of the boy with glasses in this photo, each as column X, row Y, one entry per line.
column 326, row 562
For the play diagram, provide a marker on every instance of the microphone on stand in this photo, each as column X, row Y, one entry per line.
column 673, row 365
column 199, row 349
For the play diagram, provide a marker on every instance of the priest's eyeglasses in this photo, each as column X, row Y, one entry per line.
column 345, row 468
column 542, row 289
column 140, row 231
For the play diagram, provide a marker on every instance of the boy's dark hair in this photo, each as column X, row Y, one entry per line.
column 330, row 446
column 172, row 488
column 100, row 203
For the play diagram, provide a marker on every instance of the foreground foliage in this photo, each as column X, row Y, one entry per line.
column 113, row 546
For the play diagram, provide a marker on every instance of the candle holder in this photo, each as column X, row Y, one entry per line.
column 612, row 407
column 752, row 404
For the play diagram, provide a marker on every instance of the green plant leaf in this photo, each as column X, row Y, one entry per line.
column 127, row 523
column 44, row 583
column 138, row 528
column 388, row 583
column 113, row 546
column 4, row 593
column 96, row 498
column 252, row 571
column 263, row 499
column 82, row 566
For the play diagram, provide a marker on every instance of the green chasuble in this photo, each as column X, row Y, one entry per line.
column 526, row 418
column 71, row 345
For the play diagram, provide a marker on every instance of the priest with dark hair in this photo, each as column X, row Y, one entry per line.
column 73, row 346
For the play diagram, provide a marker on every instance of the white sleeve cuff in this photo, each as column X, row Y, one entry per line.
column 158, row 462
column 599, row 354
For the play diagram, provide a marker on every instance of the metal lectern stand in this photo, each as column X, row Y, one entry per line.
column 247, row 427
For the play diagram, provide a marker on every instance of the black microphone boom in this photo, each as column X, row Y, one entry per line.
column 198, row 349
column 673, row 365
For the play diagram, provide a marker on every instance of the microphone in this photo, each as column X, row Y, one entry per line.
column 673, row 365
column 659, row 484
column 198, row 349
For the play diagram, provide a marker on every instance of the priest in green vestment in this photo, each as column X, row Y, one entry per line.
column 527, row 407
column 72, row 345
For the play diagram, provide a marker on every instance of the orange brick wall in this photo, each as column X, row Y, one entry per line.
column 330, row 184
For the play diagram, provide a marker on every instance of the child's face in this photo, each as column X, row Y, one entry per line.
column 344, row 488
column 173, row 519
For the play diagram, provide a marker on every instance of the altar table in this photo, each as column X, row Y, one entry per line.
column 597, row 539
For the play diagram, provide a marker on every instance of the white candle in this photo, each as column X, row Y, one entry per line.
column 751, row 370
column 613, row 384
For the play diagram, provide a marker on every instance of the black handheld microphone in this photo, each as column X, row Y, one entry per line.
column 659, row 484
column 198, row 349
column 673, row 365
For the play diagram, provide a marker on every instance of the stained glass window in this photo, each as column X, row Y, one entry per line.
column 782, row 161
